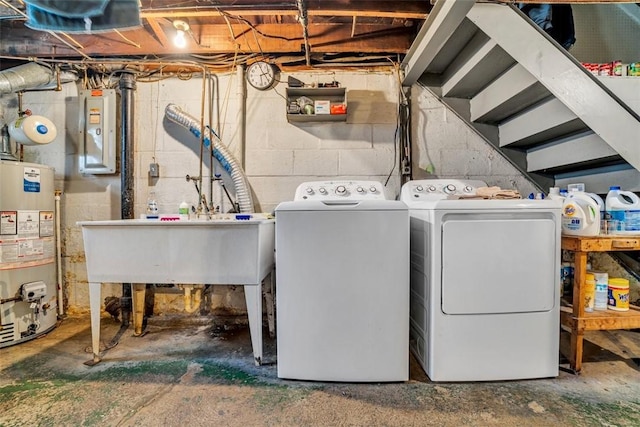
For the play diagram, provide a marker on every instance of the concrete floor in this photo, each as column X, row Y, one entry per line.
column 188, row 372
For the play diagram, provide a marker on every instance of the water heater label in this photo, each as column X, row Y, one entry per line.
column 8, row 222
column 28, row 224
column 31, row 180
column 46, row 223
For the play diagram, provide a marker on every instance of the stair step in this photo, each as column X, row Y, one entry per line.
column 598, row 180
column 510, row 93
column 480, row 62
column 572, row 150
column 545, row 121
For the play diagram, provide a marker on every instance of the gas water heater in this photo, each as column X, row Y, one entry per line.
column 28, row 299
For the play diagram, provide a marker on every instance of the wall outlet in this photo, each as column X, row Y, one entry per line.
column 154, row 170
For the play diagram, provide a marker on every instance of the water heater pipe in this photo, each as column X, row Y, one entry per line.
column 220, row 152
column 59, row 255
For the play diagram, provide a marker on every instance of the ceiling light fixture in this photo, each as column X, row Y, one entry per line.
column 180, row 39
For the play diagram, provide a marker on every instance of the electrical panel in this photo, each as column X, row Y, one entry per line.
column 97, row 131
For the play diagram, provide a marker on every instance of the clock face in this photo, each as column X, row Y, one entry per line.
column 261, row 75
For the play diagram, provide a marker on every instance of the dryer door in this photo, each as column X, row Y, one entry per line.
column 499, row 262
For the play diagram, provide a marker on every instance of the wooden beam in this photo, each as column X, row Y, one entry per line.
column 268, row 38
column 158, row 31
column 156, row 13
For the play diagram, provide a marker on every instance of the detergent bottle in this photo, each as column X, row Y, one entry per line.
column 623, row 209
column 554, row 194
column 580, row 214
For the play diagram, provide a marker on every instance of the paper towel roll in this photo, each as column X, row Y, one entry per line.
column 33, row 130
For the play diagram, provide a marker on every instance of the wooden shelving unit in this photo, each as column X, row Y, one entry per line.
column 573, row 317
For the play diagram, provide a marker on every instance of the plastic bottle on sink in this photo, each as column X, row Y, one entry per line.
column 183, row 210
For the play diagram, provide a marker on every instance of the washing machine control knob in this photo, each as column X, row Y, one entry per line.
column 309, row 190
column 450, row 189
column 360, row 190
column 419, row 188
column 431, row 188
column 373, row 189
column 341, row 190
column 322, row 190
column 468, row 189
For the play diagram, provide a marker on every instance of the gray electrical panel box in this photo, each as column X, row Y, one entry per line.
column 97, row 131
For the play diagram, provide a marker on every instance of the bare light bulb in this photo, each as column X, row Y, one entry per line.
column 180, row 39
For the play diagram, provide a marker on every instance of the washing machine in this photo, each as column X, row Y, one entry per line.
column 342, row 284
column 485, row 287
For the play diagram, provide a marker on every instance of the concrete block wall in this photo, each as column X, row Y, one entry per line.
column 443, row 146
column 276, row 155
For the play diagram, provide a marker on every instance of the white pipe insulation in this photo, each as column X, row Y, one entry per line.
column 220, row 152
column 59, row 254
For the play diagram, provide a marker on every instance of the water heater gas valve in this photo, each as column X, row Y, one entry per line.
column 33, row 291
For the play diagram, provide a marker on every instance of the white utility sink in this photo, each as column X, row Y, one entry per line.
column 222, row 250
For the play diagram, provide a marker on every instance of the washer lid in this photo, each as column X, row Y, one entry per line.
column 342, row 205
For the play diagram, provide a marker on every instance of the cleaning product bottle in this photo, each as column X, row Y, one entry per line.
column 589, row 292
column 623, row 210
column 554, row 194
column 580, row 215
column 183, row 210
column 602, row 290
column 152, row 206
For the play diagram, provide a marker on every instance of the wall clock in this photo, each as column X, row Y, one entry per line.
column 262, row 75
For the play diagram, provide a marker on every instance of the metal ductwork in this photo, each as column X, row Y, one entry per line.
column 26, row 76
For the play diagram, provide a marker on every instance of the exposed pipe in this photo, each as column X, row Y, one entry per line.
column 192, row 297
column 304, row 21
column 220, row 152
column 242, row 95
column 5, row 145
column 59, row 255
column 25, row 76
column 127, row 117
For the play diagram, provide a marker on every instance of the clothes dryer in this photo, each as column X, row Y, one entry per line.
column 342, row 284
column 485, row 283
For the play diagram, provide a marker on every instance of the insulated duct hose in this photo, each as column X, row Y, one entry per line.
column 220, row 152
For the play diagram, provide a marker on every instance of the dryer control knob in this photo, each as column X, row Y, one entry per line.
column 468, row 189
column 322, row 190
column 341, row 190
column 309, row 190
column 419, row 188
column 373, row 189
column 360, row 190
column 450, row 188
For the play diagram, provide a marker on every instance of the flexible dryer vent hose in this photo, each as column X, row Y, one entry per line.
column 25, row 76
column 220, row 152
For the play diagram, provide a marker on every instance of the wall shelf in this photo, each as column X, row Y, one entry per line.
column 335, row 95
